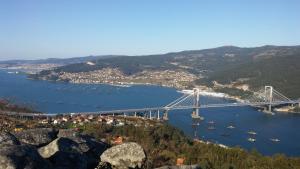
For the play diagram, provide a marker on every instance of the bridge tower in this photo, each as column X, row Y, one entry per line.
column 269, row 98
column 195, row 113
column 165, row 115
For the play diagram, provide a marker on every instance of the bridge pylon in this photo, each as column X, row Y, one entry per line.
column 165, row 115
column 195, row 113
column 269, row 98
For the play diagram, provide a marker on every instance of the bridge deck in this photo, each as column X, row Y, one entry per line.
column 110, row 112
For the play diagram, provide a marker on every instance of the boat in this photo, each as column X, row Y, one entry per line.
column 211, row 122
column 195, row 124
column 211, row 128
column 230, row 127
column 275, row 139
column 251, row 139
column 252, row 132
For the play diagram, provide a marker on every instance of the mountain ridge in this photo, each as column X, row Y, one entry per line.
column 224, row 64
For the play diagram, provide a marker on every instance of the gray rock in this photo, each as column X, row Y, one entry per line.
column 21, row 157
column 37, row 137
column 69, row 160
column 127, row 155
column 67, row 133
column 7, row 138
column 87, row 145
column 64, row 153
column 181, row 167
column 60, row 144
column 76, row 137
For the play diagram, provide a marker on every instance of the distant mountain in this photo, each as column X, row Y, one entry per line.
column 59, row 61
column 267, row 65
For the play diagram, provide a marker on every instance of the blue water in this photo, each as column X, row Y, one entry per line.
column 63, row 97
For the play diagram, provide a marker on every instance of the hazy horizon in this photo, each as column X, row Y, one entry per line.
column 63, row 29
column 141, row 54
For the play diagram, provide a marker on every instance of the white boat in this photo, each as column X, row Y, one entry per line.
column 230, row 127
column 251, row 139
column 211, row 122
column 252, row 132
column 211, row 128
column 275, row 139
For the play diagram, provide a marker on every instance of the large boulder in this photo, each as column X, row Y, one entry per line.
column 64, row 153
column 69, row 160
column 87, row 145
column 7, row 138
column 21, row 156
column 60, row 144
column 126, row 155
column 67, row 133
column 37, row 137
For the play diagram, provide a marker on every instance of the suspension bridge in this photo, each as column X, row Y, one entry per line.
column 267, row 97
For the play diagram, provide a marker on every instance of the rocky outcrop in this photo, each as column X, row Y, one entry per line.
column 36, row 137
column 59, row 144
column 64, row 153
column 72, row 150
column 7, row 138
column 21, row 156
column 181, row 167
column 127, row 155
column 88, row 145
column 67, row 133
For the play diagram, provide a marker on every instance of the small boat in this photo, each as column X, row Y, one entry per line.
column 252, row 132
column 195, row 124
column 230, row 127
column 211, row 128
column 251, row 139
column 211, row 122
column 275, row 139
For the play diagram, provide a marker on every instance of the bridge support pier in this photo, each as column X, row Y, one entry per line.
column 269, row 98
column 165, row 115
column 195, row 113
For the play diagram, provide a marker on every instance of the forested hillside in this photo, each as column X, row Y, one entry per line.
column 266, row 65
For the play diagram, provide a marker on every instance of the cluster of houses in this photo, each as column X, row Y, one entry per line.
column 82, row 119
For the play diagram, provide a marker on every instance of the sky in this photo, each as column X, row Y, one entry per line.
column 35, row 29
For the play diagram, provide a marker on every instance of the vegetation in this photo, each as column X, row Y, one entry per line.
column 163, row 144
column 268, row 65
column 279, row 72
column 5, row 105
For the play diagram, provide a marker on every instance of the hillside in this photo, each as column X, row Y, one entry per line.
column 58, row 61
column 266, row 65
column 68, row 145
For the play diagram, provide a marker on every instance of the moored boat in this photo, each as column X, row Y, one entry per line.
column 251, row 139
column 252, row 132
column 275, row 139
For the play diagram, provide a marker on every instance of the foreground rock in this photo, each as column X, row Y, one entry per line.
column 181, row 167
column 7, row 139
column 37, row 137
column 127, row 155
column 72, row 150
column 64, row 153
column 59, row 145
column 87, row 145
column 21, row 157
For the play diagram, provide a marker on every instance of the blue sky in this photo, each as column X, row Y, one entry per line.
column 70, row 28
